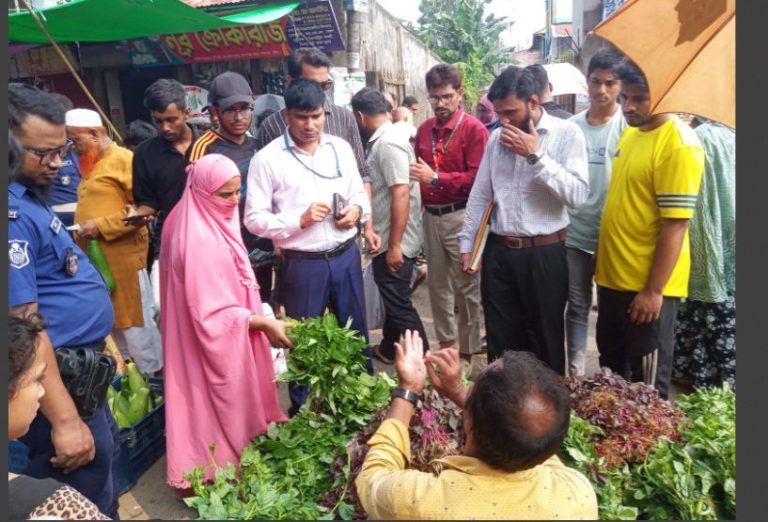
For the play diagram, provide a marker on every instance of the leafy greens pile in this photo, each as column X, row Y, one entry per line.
column 647, row 468
column 284, row 472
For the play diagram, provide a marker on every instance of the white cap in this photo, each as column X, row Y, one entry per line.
column 83, row 118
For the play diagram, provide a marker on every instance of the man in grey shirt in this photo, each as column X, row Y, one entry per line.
column 397, row 233
column 534, row 168
column 314, row 65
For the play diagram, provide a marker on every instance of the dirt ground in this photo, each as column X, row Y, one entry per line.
column 152, row 498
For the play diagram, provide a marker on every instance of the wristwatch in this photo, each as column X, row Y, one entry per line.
column 435, row 179
column 534, row 158
column 408, row 395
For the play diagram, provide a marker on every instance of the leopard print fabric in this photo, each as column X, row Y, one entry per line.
column 68, row 504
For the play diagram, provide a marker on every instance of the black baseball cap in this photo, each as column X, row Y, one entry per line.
column 229, row 88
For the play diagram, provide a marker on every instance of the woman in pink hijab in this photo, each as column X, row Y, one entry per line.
column 219, row 378
column 486, row 113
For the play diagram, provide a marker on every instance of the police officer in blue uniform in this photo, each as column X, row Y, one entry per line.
column 49, row 274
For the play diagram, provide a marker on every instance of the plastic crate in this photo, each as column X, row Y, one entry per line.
column 141, row 444
column 18, row 456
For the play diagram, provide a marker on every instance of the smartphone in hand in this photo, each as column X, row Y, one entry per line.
column 338, row 205
column 133, row 219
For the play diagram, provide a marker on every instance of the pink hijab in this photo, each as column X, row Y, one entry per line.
column 202, row 216
column 491, row 116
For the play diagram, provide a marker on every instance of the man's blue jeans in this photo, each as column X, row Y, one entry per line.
column 577, row 311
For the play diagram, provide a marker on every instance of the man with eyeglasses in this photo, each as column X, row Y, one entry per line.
column 602, row 124
column 449, row 148
column 49, row 274
column 231, row 104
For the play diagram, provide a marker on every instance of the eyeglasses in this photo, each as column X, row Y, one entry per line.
column 326, row 85
column 49, row 155
column 445, row 98
column 233, row 112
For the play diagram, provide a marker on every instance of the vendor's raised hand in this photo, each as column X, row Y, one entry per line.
column 350, row 215
column 314, row 214
column 447, row 377
column 409, row 362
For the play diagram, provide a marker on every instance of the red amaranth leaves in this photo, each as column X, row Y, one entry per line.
column 632, row 415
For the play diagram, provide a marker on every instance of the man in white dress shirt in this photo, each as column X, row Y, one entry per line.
column 291, row 187
column 534, row 169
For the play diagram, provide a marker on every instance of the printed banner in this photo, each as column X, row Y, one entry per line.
column 314, row 24
column 242, row 42
column 611, row 6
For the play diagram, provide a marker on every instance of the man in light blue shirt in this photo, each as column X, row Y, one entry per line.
column 602, row 124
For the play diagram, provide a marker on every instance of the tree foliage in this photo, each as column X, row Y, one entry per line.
column 460, row 33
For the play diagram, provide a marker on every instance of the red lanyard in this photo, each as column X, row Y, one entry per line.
column 438, row 153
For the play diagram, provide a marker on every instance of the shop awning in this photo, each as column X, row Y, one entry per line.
column 111, row 20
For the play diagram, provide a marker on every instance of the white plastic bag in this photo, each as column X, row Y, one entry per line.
column 279, row 362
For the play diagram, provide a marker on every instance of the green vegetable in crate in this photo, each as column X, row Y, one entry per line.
column 99, row 260
column 135, row 379
column 138, row 407
column 158, row 400
column 122, row 402
column 121, row 420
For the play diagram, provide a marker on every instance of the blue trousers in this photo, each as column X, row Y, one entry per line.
column 309, row 286
column 96, row 480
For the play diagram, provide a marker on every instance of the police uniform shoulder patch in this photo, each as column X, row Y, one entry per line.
column 13, row 213
column 18, row 254
column 55, row 225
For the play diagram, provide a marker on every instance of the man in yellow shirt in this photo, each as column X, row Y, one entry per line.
column 515, row 418
column 643, row 256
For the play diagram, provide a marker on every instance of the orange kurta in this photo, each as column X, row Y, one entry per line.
column 102, row 196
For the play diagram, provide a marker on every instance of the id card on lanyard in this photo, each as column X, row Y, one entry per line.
column 439, row 148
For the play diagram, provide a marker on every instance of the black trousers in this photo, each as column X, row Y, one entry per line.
column 524, row 292
column 399, row 313
column 638, row 352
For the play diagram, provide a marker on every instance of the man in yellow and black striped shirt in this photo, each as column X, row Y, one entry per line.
column 231, row 101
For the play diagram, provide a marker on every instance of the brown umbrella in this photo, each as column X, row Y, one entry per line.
column 687, row 50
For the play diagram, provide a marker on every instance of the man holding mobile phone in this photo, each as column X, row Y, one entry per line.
column 534, row 169
column 291, row 187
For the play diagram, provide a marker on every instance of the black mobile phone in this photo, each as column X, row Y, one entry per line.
column 133, row 219
column 338, row 204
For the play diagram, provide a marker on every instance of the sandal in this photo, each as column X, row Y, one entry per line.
column 376, row 352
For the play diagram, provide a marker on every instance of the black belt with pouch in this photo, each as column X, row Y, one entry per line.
column 87, row 373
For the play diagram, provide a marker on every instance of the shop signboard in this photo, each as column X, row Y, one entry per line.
column 313, row 24
column 39, row 61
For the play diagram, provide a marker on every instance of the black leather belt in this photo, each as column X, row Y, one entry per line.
column 328, row 254
column 439, row 211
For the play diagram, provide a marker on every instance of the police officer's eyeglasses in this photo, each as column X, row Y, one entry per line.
column 49, row 155
column 237, row 111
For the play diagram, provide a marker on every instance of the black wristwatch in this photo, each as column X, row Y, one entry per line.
column 534, row 158
column 408, row 395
